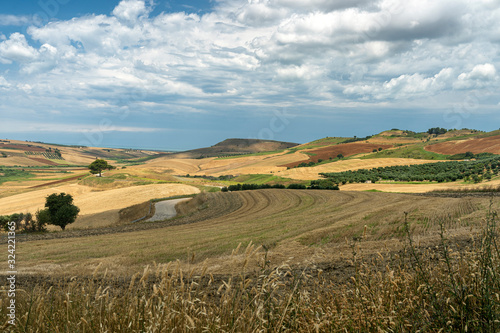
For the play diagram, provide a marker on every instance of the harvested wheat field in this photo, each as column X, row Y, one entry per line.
column 215, row 167
column 91, row 202
column 250, row 164
column 482, row 145
column 312, row 173
column 177, row 166
column 286, row 221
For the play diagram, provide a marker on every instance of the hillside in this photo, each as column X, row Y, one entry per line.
column 475, row 145
column 39, row 154
column 230, row 147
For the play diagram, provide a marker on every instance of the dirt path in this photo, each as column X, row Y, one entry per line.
column 165, row 210
column 59, row 181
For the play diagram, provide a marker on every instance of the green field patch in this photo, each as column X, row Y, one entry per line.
column 328, row 141
column 414, row 151
column 260, row 179
column 96, row 181
column 440, row 172
column 250, row 154
column 10, row 175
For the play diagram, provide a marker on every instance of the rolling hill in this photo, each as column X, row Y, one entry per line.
column 231, row 147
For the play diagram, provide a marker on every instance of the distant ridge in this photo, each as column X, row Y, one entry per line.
column 236, row 147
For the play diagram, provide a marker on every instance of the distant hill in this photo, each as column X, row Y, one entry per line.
column 231, row 147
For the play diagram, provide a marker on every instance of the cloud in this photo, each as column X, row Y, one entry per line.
column 23, row 127
column 15, row 20
column 4, row 83
column 16, row 49
column 131, row 10
column 254, row 55
column 405, row 86
column 479, row 76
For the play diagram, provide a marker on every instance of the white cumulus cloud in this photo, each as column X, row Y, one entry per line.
column 16, row 48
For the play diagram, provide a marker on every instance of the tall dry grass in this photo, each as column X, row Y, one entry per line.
column 453, row 286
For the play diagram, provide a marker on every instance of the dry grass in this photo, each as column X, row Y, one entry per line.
column 314, row 221
column 453, row 286
column 91, row 202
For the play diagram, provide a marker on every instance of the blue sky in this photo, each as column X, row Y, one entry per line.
column 187, row 74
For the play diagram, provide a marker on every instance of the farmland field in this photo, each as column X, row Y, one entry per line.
column 265, row 238
column 481, row 145
column 274, row 218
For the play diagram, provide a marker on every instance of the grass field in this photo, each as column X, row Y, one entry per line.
column 415, row 151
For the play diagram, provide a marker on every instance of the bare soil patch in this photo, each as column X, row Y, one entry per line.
column 56, row 182
column 44, row 161
column 23, row 147
column 482, row 145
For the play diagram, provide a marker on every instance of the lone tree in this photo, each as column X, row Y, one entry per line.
column 98, row 166
column 59, row 210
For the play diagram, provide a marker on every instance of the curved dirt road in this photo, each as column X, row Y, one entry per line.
column 165, row 209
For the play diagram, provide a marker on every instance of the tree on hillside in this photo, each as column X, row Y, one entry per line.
column 59, row 210
column 98, row 166
column 340, row 156
column 437, row 130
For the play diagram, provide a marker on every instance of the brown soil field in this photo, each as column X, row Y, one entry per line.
column 20, row 160
column 22, row 147
column 44, row 161
column 347, row 149
column 312, row 173
column 56, row 182
column 482, row 145
column 300, row 227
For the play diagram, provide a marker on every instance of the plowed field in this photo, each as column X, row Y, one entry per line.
column 286, row 221
column 483, row 145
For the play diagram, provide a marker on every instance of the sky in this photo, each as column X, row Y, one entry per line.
column 184, row 74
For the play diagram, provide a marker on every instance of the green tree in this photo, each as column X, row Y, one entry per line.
column 98, row 166
column 340, row 156
column 61, row 210
column 469, row 154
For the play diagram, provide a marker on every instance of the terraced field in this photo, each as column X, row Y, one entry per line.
column 295, row 225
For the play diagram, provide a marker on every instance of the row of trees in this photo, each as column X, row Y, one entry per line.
column 437, row 130
column 321, row 184
column 440, row 172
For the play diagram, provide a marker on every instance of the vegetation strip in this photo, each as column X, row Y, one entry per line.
column 474, row 171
